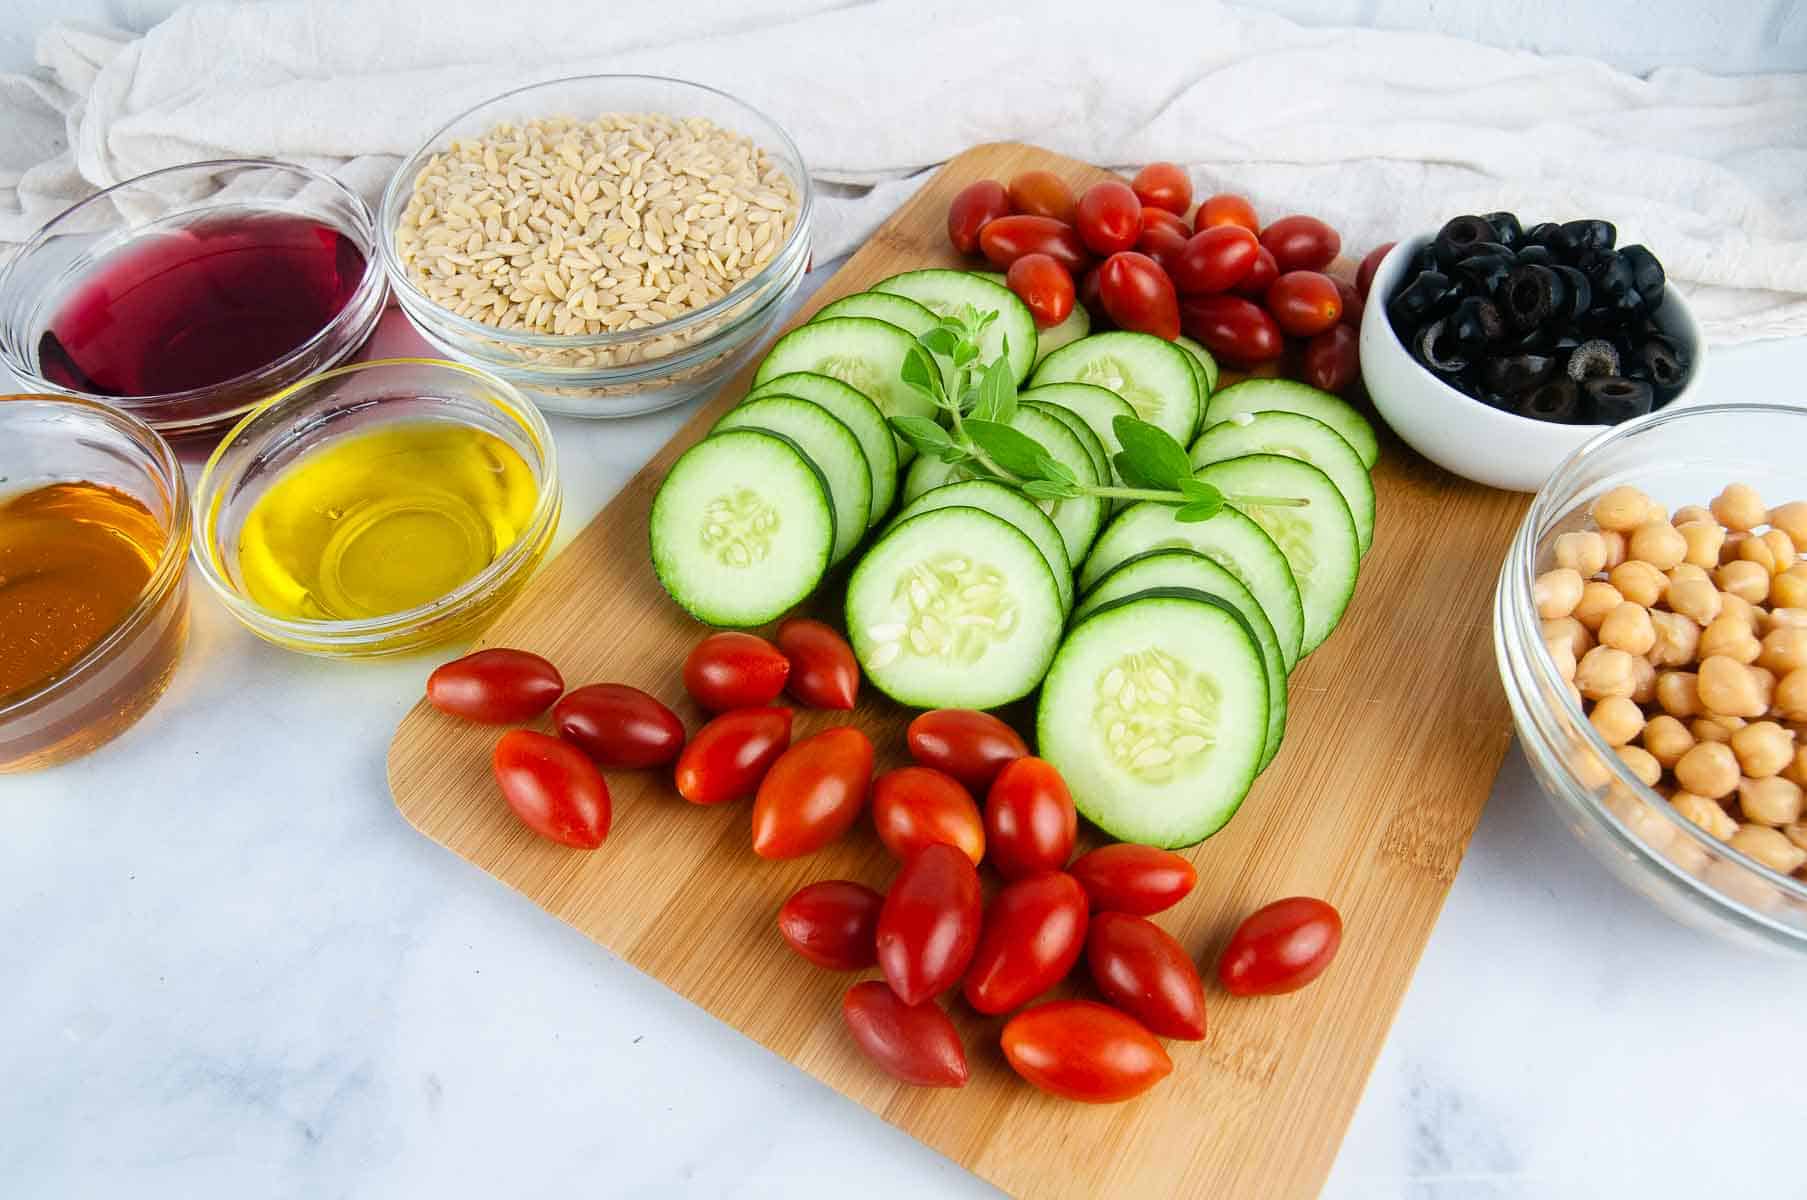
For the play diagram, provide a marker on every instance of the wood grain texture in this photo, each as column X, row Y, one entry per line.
column 1397, row 728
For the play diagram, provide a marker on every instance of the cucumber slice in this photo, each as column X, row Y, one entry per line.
column 1207, row 370
column 1307, row 439
column 1317, row 540
column 1077, row 325
column 1154, row 375
column 742, row 528
column 943, row 292
column 1230, row 539
column 954, row 608
column 900, row 311
column 1184, row 569
column 830, row 445
column 1096, row 406
column 865, row 354
column 1101, row 462
column 1010, row 504
column 1155, row 714
column 1265, row 395
column 850, row 407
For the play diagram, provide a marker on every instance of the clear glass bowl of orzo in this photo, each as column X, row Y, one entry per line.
column 609, row 244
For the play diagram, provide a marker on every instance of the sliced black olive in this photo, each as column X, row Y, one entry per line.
column 1557, row 401
column 1514, row 373
column 1580, row 292
column 1611, row 399
column 1535, row 341
column 1429, row 294
column 1457, row 234
column 1476, row 248
column 1506, row 229
column 1475, row 325
column 1484, row 273
column 1532, row 296
column 1575, row 236
column 1436, row 349
column 1544, row 233
column 1425, row 259
column 1533, row 254
column 1592, row 359
column 1647, row 273
column 1663, row 363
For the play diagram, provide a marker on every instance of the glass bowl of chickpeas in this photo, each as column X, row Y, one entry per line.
column 1651, row 631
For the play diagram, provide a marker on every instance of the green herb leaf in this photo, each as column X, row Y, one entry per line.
column 925, row 435
column 941, row 340
column 1051, row 468
column 1150, row 457
column 1198, row 489
column 1199, row 510
column 997, row 394
column 954, row 454
column 1050, row 489
column 920, row 372
column 1011, row 449
column 965, row 352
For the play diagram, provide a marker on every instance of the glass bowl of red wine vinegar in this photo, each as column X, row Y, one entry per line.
column 188, row 295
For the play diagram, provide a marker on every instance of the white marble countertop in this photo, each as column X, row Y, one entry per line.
column 229, row 968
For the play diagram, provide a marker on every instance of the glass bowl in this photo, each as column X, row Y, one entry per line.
column 1677, row 456
column 61, row 257
column 356, row 399
column 628, row 372
column 57, row 439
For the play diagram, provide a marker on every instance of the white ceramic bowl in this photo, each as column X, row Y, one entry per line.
column 1458, row 432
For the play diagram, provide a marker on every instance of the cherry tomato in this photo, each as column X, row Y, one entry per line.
column 1091, row 297
column 977, row 205
column 730, row 755
column 1084, row 1051
column 917, row 1044
column 1364, row 274
column 1236, row 331
column 1044, row 285
column 969, row 745
column 916, row 806
column 735, row 670
column 496, row 687
column 619, row 726
column 1333, row 359
column 1042, row 194
column 1034, row 933
column 1226, row 208
column 1141, row 880
column 1109, row 217
column 1261, row 276
column 824, row 673
column 1353, row 304
column 1143, row 971
column 833, row 924
column 1138, row 295
column 1009, row 238
column 553, row 788
column 929, row 925
column 1030, row 821
column 1163, row 185
column 1301, row 243
column 1163, row 236
column 1304, row 302
column 1280, row 948
column 812, row 794
column 1215, row 260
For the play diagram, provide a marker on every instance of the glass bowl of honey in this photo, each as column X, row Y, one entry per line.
column 377, row 508
column 187, row 295
column 94, row 532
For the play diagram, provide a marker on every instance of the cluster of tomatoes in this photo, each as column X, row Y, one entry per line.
column 932, row 930
column 1220, row 277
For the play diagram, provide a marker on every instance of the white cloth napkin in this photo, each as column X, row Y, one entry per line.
column 1381, row 133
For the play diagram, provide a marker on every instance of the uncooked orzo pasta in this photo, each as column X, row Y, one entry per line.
column 572, row 228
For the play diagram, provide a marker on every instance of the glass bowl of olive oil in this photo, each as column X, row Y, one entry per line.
column 378, row 508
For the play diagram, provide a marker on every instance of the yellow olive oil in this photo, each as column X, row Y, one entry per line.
column 384, row 520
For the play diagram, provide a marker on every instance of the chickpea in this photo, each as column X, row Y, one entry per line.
column 1569, row 630
column 1703, row 539
column 1757, row 550
column 1597, row 599
column 1645, row 823
column 1583, row 552
column 1678, row 693
column 1556, row 593
column 1622, row 510
column 1628, row 628
column 1784, row 649
column 1667, row 739
column 1791, row 694
column 1787, row 618
column 1604, row 671
column 1763, row 749
column 1738, row 606
column 1646, row 768
column 1796, row 833
column 1747, row 580
column 1728, row 549
column 1677, row 639
column 1687, row 570
column 1617, row 719
column 1791, row 518
column 1782, row 549
column 1615, row 547
column 1639, row 582
column 1766, row 685
column 1789, row 589
column 1704, row 813
column 1589, row 771
column 1643, row 680
column 1575, row 695
column 1710, row 769
column 1729, row 637
column 1715, row 729
column 1768, row 847
column 1694, row 512
column 1657, row 543
column 1697, row 601
column 1772, row 801
column 1563, row 655
column 1738, row 507
column 1729, row 688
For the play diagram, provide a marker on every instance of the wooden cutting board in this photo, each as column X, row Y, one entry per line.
column 1397, row 728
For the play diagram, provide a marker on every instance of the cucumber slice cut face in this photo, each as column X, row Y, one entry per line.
column 1153, row 375
column 1094, row 405
column 1206, row 364
column 900, row 311
column 1101, row 461
column 1185, row 569
column 865, row 354
column 742, row 528
column 943, row 292
column 1155, row 713
column 1078, row 324
column 1014, row 507
column 1317, row 540
column 1230, row 539
column 954, row 608
column 1263, row 395
column 850, row 407
column 1307, row 439
column 831, row 447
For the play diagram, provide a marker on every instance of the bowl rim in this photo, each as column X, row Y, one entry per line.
column 349, row 633
column 1522, row 555
column 19, row 359
column 401, row 184
column 172, row 560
